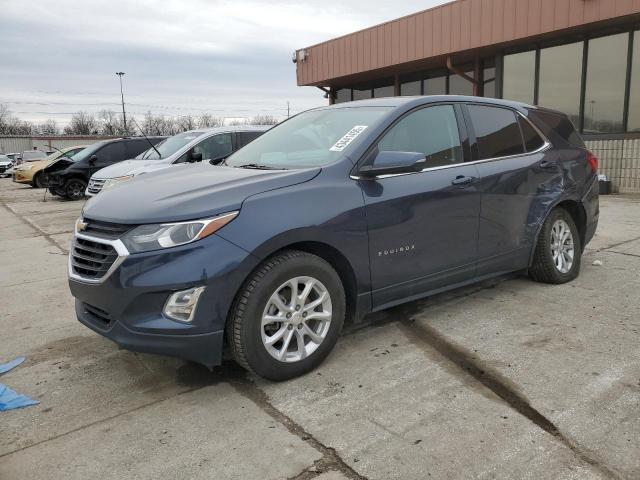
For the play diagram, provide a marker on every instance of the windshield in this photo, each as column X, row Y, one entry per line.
column 311, row 139
column 169, row 146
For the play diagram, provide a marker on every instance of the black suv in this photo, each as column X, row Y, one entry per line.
column 68, row 177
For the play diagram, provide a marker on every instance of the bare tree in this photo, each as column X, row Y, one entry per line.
column 110, row 123
column 207, row 120
column 48, row 127
column 82, row 123
column 5, row 113
column 236, row 122
column 263, row 120
column 187, row 122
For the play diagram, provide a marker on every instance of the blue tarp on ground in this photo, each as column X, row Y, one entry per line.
column 9, row 399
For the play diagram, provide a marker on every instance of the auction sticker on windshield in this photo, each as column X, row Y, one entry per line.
column 349, row 137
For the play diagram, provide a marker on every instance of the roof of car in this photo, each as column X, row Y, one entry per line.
column 417, row 100
column 232, row 128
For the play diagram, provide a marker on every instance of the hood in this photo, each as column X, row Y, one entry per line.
column 35, row 165
column 130, row 167
column 187, row 192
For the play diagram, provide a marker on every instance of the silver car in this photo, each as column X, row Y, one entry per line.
column 203, row 144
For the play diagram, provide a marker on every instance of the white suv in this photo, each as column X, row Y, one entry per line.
column 203, row 144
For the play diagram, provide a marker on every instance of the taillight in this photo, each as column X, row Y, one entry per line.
column 592, row 160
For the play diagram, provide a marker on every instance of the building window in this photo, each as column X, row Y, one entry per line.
column 343, row 95
column 489, row 79
column 411, row 88
column 361, row 93
column 606, row 78
column 560, row 74
column 519, row 77
column 634, row 100
column 459, row 85
column 386, row 91
column 435, row 86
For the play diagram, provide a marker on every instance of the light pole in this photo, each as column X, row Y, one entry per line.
column 124, row 115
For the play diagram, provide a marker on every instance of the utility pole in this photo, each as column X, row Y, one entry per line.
column 287, row 108
column 124, row 115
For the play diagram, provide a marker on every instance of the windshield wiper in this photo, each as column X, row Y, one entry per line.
column 258, row 166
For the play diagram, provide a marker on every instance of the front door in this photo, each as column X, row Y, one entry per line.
column 423, row 227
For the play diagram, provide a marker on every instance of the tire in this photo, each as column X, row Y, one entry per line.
column 547, row 267
column 248, row 337
column 74, row 189
column 38, row 181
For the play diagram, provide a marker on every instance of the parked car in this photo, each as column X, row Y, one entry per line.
column 14, row 156
column 68, row 177
column 6, row 164
column 210, row 144
column 31, row 171
column 334, row 213
column 30, row 156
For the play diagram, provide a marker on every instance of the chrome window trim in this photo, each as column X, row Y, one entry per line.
column 545, row 146
column 118, row 246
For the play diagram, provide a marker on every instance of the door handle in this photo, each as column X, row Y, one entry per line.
column 462, row 180
column 547, row 164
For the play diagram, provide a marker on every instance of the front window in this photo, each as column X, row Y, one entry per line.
column 311, row 139
column 169, row 146
column 87, row 152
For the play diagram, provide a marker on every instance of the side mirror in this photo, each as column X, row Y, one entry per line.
column 93, row 159
column 194, row 157
column 390, row 163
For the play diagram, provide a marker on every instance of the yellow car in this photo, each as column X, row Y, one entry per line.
column 31, row 170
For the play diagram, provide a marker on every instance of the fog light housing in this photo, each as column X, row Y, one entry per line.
column 181, row 306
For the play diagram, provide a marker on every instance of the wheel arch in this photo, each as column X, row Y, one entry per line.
column 578, row 214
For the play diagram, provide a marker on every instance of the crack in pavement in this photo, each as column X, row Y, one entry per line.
column 330, row 459
column 426, row 337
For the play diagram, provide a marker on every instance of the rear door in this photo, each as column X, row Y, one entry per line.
column 519, row 177
column 423, row 227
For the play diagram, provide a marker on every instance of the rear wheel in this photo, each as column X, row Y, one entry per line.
column 74, row 189
column 288, row 316
column 38, row 180
column 558, row 251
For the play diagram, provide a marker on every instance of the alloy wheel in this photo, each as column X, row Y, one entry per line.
column 562, row 249
column 296, row 319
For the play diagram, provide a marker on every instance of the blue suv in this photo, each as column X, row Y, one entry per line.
column 334, row 213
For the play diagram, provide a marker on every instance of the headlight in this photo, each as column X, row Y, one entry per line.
column 114, row 181
column 154, row 237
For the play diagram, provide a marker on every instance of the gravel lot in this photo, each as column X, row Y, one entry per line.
column 506, row 379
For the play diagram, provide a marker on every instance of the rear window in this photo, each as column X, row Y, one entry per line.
column 497, row 131
column 532, row 141
column 557, row 126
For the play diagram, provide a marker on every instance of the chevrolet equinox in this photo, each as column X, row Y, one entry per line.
column 334, row 213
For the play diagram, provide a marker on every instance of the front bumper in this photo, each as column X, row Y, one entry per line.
column 23, row 176
column 126, row 306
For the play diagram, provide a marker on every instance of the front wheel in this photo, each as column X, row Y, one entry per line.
column 287, row 317
column 74, row 189
column 558, row 251
column 38, row 181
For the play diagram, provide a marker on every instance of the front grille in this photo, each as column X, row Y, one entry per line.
column 95, row 185
column 105, row 230
column 98, row 315
column 91, row 260
column 4, row 168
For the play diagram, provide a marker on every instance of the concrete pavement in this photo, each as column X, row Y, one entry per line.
column 506, row 379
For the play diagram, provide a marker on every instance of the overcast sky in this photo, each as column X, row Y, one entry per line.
column 230, row 58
